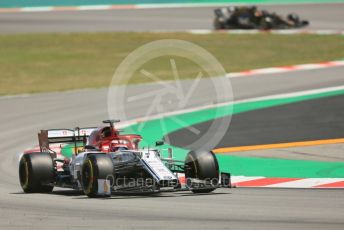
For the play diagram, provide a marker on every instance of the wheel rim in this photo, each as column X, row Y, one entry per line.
column 24, row 173
column 88, row 176
column 192, row 172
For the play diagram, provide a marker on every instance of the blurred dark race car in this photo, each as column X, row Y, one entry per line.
column 252, row 18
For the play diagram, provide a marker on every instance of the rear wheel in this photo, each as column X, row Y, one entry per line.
column 36, row 173
column 218, row 25
column 96, row 167
column 202, row 165
column 266, row 23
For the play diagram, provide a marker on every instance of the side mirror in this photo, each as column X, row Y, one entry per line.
column 159, row 143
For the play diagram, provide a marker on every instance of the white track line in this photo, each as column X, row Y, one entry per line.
column 251, row 181
column 237, row 179
column 306, row 183
column 190, row 110
column 142, row 6
column 280, row 32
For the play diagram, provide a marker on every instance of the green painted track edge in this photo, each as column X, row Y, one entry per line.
column 248, row 166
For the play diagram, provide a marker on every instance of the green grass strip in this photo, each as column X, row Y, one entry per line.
column 31, row 63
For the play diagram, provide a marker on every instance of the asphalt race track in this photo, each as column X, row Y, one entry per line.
column 321, row 16
column 238, row 208
column 235, row 208
column 302, row 121
column 22, row 117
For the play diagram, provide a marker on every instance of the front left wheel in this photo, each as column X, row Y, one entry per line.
column 96, row 167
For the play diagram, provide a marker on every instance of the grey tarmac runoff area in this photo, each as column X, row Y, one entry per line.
column 302, row 121
column 22, row 116
column 321, row 16
column 237, row 208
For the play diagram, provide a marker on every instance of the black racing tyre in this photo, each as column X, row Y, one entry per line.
column 294, row 18
column 202, row 165
column 218, row 25
column 37, row 172
column 304, row 23
column 264, row 25
column 95, row 167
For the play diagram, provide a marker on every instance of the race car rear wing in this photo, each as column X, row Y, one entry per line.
column 56, row 136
